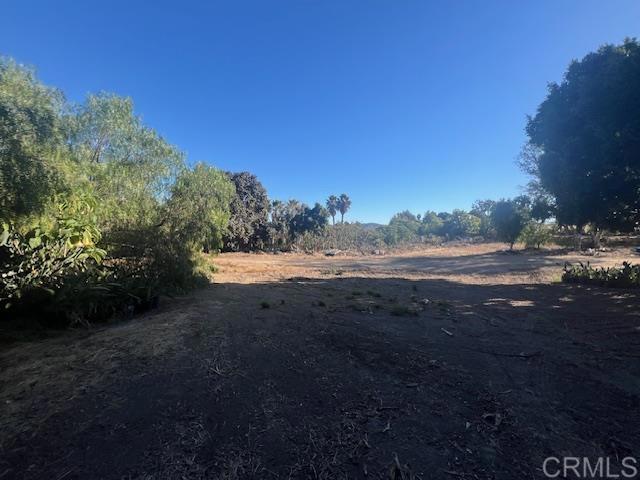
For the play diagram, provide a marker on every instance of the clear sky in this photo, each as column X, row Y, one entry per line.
column 401, row 104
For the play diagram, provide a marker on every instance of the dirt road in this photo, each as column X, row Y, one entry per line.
column 450, row 363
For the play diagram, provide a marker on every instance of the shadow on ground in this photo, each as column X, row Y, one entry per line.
column 331, row 378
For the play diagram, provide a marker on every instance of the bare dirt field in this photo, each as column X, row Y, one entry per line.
column 462, row 362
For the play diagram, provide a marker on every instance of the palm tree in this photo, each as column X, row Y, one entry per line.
column 332, row 207
column 344, row 203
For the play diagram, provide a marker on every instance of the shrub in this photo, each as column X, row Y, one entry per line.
column 342, row 236
column 534, row 235
column 508, row 219
column 37, row 264
column 628, row 276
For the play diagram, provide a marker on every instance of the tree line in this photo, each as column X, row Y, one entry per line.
column 99, row 213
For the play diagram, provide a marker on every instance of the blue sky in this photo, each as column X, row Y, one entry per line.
column 401, row 104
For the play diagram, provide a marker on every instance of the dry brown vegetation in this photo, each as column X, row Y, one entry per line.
column 451, row 362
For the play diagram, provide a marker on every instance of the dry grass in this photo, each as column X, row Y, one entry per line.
column 479, row 264
column 360, row 367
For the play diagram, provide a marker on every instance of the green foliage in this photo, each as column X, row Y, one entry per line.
column 584, row 140
column 403, row 228
column 279, row 233
column 460, row 224
column 198, row 210
column 344, row 204
column 509, row 219
column 626, row 277
column 332, row 205
column 311, row 220
column 483, row 210
column 342, row 236
column 29, row 142
column 431, row 223
column 130, row 167
column 249, row 214
column 407, row 228
column 99, row 214
column 294, row 223
column 534, row 235
column 542, row 209
column 37, row 264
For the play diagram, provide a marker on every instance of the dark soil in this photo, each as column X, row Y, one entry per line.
column 337, row 378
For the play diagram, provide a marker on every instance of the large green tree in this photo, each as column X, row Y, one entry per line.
column 460, row 224
column 30, row 141
column 404, row 227
column 249, row 213
column 309, row 220
column 431, row 223
column 130, row 166
column 199, row 208
column 584, row 141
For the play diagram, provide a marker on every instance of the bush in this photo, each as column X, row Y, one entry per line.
column 37, row 264
column 626, row 277
column 508, row 219
column 534, row 235
column 342, row 236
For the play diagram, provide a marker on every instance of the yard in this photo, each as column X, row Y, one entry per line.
column 465, row 362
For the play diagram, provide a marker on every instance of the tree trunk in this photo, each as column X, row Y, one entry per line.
column 579, row 237
column 597, row 236
column 341, row 217
column 333, row 219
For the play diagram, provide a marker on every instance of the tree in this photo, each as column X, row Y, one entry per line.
column 332, row 207
column 30, row 141
column 249, row 213
column 542, row 209
column 403, row 227
column 482, row 209
column 431, row 224
column 309, row 220
column 199, row 208
column 344, row 204
column 280, row 229
column 80, row 184
column 460, row 224
column 508, row 220
column 130, row 166
column 584, row 141
column 534, row 235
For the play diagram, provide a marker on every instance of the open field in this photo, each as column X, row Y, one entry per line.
column 463, row 362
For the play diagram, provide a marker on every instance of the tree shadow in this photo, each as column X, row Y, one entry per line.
column 336, row 376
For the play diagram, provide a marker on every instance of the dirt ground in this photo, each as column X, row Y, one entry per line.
column 462, row 363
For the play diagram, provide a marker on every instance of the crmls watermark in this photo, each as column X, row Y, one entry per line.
column 583, row 467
